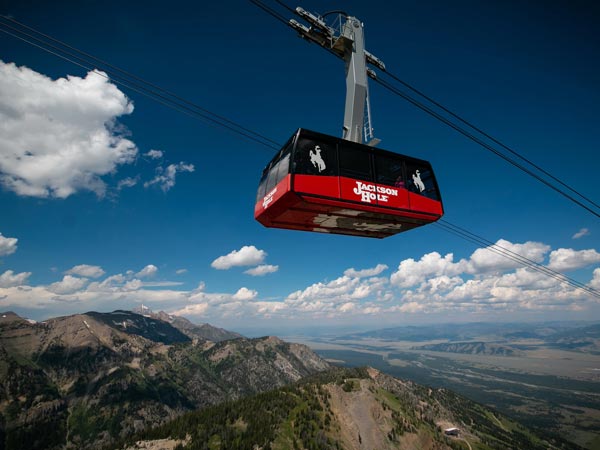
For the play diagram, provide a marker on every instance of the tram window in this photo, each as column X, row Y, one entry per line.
column 272, row 180
column 284, row 167
column 260, row 194
column 315, row 158
column 421, row 181
column 389, row 171
column 279, row 168
column 355, row 163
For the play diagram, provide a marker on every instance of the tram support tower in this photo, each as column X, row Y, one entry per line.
column 348, row 43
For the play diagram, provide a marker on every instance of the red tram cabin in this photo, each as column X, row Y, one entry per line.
column 326, row 184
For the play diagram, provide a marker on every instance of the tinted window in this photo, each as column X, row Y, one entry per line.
column 421, row 181
column 389, row 171
column 260, row 194
column 272, row 180
column 284, row 167
column 315, row 157
column 279, row 168
column 355, row 163
column 277, row 172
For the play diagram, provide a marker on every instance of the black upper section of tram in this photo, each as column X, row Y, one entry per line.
column 311, row 153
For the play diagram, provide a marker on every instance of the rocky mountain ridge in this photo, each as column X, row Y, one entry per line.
column 193, row 331
column 81, row 381
column 350, row 409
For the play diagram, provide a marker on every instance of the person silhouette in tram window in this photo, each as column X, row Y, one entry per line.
column 399, row 183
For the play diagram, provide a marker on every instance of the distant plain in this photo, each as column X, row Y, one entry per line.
column 546, row 375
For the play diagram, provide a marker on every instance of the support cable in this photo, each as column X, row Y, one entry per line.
column 128, row 80
column 289, row 8
column 148, row 83
column 491, row 138
column 475, row 139
column 272, row 12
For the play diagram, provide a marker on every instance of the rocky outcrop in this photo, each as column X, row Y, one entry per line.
column 352, row 409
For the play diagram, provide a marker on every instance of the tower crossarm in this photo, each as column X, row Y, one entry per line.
column 348, row 44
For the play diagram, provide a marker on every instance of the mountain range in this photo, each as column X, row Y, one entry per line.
column 82, row 381
column 155, row 381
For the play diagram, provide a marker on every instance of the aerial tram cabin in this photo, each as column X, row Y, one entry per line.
column 326, row 184
column 321, row 183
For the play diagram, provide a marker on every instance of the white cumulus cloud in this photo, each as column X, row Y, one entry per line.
column 483, row 260
column 440, row 284
column 261, row 270
column 565, row 259
column 248, row 255
column 347, row 307
column 85, row 270
column 68, row 285
column 365, row 272
column 245, row 294
column 11, row 279
column 133, row 285
column 411, row 272
column 196, row 309
column 525, row 278
column 59, row 136
column 410, row 307
column 165, row 178
column 7, row 245
column 335, row 291
column 148, row 271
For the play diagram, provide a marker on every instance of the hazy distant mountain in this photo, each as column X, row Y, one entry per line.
column 89, row 378
column 350, row 409
column 450, row 331
column 561, row 335
column 583, row 339
column 471, row 347
column 203, row 331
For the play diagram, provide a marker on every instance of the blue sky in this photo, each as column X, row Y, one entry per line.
column 118, row 200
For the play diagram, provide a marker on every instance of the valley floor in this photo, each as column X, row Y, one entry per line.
column 552, row 389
